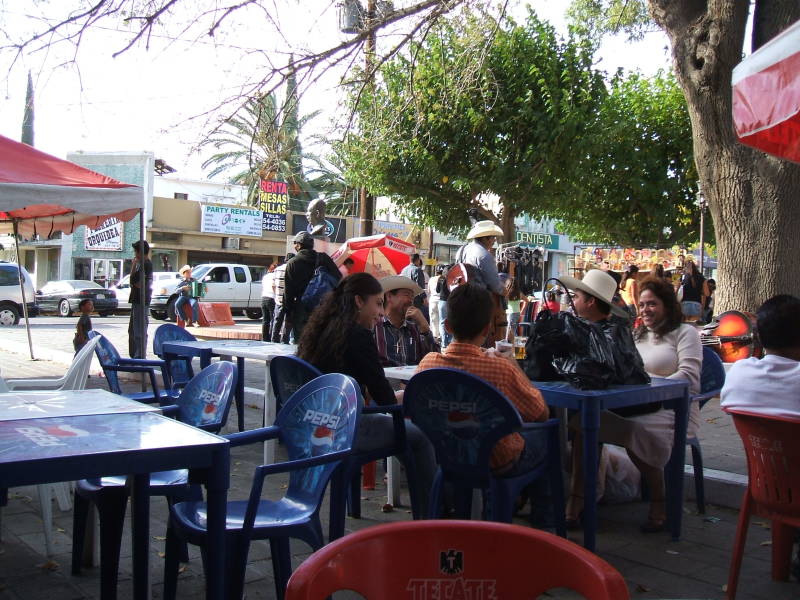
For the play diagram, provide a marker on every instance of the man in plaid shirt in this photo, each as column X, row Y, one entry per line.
column 469, row 309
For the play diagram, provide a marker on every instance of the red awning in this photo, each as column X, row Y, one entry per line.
column 766, row 96
column 44, row 193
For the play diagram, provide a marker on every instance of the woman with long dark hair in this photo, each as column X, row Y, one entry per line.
column 671, row 349
column 338, row 339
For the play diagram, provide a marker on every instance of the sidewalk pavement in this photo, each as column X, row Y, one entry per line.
column 696, row 567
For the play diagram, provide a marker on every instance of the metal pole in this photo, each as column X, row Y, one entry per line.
column 22, row 290
column 702, row 202
column 142, row 297
column 367, row 201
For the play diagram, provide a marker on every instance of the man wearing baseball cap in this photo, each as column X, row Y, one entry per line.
column 299, row 272
column 403, row 336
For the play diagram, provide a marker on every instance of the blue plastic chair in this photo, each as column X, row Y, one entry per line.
column 204, row 403
column 712, row 378
column 289, row 373
column 316, row 425
column 180, row 369
column 464, row 417
column 112, row 363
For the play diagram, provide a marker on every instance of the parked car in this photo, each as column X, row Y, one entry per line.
column 161, row 281
column 11, row 295
column 232, row 283
column 62, row 297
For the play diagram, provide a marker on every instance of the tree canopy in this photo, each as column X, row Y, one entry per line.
column 475, row 114
column 636, row 184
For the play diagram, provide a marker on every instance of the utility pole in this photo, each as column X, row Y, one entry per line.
column 366, row 200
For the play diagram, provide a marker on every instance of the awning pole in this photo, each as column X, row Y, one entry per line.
column 143, row 297
column 22, row 289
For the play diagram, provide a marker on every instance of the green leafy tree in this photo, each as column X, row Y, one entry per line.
column 478, row 109
column 752, row 196
column 636, row 185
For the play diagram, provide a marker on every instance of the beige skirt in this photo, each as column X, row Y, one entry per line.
column 648, row 436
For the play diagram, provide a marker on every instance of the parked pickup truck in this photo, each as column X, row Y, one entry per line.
column 238, row 285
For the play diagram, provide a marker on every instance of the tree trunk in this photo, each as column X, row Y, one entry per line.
column 507, row 217
column 752, row 196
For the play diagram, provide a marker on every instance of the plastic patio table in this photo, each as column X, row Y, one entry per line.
column 53, row 449
column 674, row 393
column 241, row 349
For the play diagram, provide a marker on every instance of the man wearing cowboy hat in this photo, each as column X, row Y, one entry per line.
column 403, row 336
column 593, row 296
column 477, row 253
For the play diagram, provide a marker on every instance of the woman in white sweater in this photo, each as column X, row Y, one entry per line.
column 669, row 349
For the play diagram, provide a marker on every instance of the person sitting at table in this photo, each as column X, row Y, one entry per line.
column 669, row 349
column 403, row 335
column 469, row 312
column 769, row 385
column 338, row 339
column 184, row 289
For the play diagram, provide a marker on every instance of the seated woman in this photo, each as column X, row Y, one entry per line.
column 669, row 349
column 185, row 290
column 338, row 339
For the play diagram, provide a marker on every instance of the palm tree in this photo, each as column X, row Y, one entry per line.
column 261, row 141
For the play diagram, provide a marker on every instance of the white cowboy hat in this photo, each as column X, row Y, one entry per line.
column 398, row 282
column 599, row 284
column 184, row 268
column 484, row 228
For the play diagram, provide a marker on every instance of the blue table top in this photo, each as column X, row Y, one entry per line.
column 658, row 390
column 53, row 437
column 66, row 403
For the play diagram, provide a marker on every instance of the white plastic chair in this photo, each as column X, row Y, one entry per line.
column 73, row 379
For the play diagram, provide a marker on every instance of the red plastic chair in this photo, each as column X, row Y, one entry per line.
column 772, row 447
column 454, row 559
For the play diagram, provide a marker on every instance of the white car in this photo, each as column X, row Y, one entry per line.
column 11, row 295
column 161, row 279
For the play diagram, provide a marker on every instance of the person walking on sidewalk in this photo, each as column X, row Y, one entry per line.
column 141, row 290
column 280, row 324
column 267, row 302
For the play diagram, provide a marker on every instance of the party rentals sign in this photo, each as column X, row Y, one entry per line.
column 106, row 237
column 230, row 220
column 273, row 200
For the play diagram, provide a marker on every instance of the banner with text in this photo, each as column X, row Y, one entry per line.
column 106, row 237
column 230, row 220
column 273, row 200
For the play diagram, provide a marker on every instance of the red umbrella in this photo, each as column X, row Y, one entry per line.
column 379, row 255
column 766, row 96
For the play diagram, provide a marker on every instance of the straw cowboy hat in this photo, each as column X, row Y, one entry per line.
column 483, row 229
column 599, row 284
column 184, row 268
column 398, row 282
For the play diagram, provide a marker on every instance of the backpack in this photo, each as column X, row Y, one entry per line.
column 320, row 284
